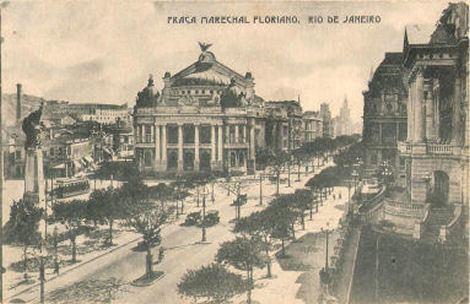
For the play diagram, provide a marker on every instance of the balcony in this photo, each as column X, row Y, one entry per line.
column 443, row 149
column 407, row 148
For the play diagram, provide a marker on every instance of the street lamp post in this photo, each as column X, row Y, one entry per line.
column 260, row 189
column 56, row 254
column 327, row 233
column 204, row 238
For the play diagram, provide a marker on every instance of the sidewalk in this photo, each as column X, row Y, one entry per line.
column 124, row 239
column 296, row 278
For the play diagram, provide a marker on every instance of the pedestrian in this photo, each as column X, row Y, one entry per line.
column 339, row 195
column 334, row 196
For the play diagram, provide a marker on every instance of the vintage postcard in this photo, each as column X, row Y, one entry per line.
column 261, row 152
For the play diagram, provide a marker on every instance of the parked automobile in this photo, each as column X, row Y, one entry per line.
column 193, row 219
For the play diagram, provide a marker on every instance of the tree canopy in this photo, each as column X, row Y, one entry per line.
column 213, row 282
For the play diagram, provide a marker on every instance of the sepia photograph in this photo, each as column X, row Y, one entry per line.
column 259, row 152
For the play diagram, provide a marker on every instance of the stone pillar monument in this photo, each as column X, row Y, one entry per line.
column 34, row 189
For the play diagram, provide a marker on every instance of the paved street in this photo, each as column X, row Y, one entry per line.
column 183, row 250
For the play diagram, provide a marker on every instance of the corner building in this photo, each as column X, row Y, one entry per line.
column 436, row 150
column 207, row 118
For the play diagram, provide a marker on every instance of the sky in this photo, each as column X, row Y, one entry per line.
column 103, row 51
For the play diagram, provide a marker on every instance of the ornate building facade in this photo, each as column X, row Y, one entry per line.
column 284, row 126
column 384, row 119
column 207, row 118
column 313, row 125
column 436, row 149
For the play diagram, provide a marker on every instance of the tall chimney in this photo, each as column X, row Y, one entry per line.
column 18, row 103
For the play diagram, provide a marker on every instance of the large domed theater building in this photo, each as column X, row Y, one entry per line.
column 206, row 118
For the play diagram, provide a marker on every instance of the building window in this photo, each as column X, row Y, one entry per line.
column 205, row 134
column 148, row 133
column 172, row 134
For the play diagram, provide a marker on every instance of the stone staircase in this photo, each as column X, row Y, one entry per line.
column 438, row 216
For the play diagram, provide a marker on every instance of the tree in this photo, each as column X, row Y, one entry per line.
column 71, row 215
column 23, row 226
column 107, row 206
column 283, row 219
column 259, row 226
column 263, row 157
column 162, row 193
column 133, row 190
column 243, row 254
column 303, row 202
column 278, row 163
column 148, row 219
column 213, row 282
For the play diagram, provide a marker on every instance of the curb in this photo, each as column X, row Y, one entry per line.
column 348, row 296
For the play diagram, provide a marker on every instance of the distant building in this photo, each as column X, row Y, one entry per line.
column 123, row 139
column 385, row 116
column 102, row 113
column 313, row 126
column 327, row 120
column 344, row 124
column 284, row 125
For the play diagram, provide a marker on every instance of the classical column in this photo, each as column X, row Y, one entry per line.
column 419, row 121
column 244, row 133
column 213, row 146
column 220, row 144
column 164, row 148
column 251, row 162
column 410, row 112
column 456, row 130
column 196, row 147
column 152, row 133
column 227, row 134
column 237, row 137
column 430, row 131
column 157, row 145
column 252, row 142
column 180, row 148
